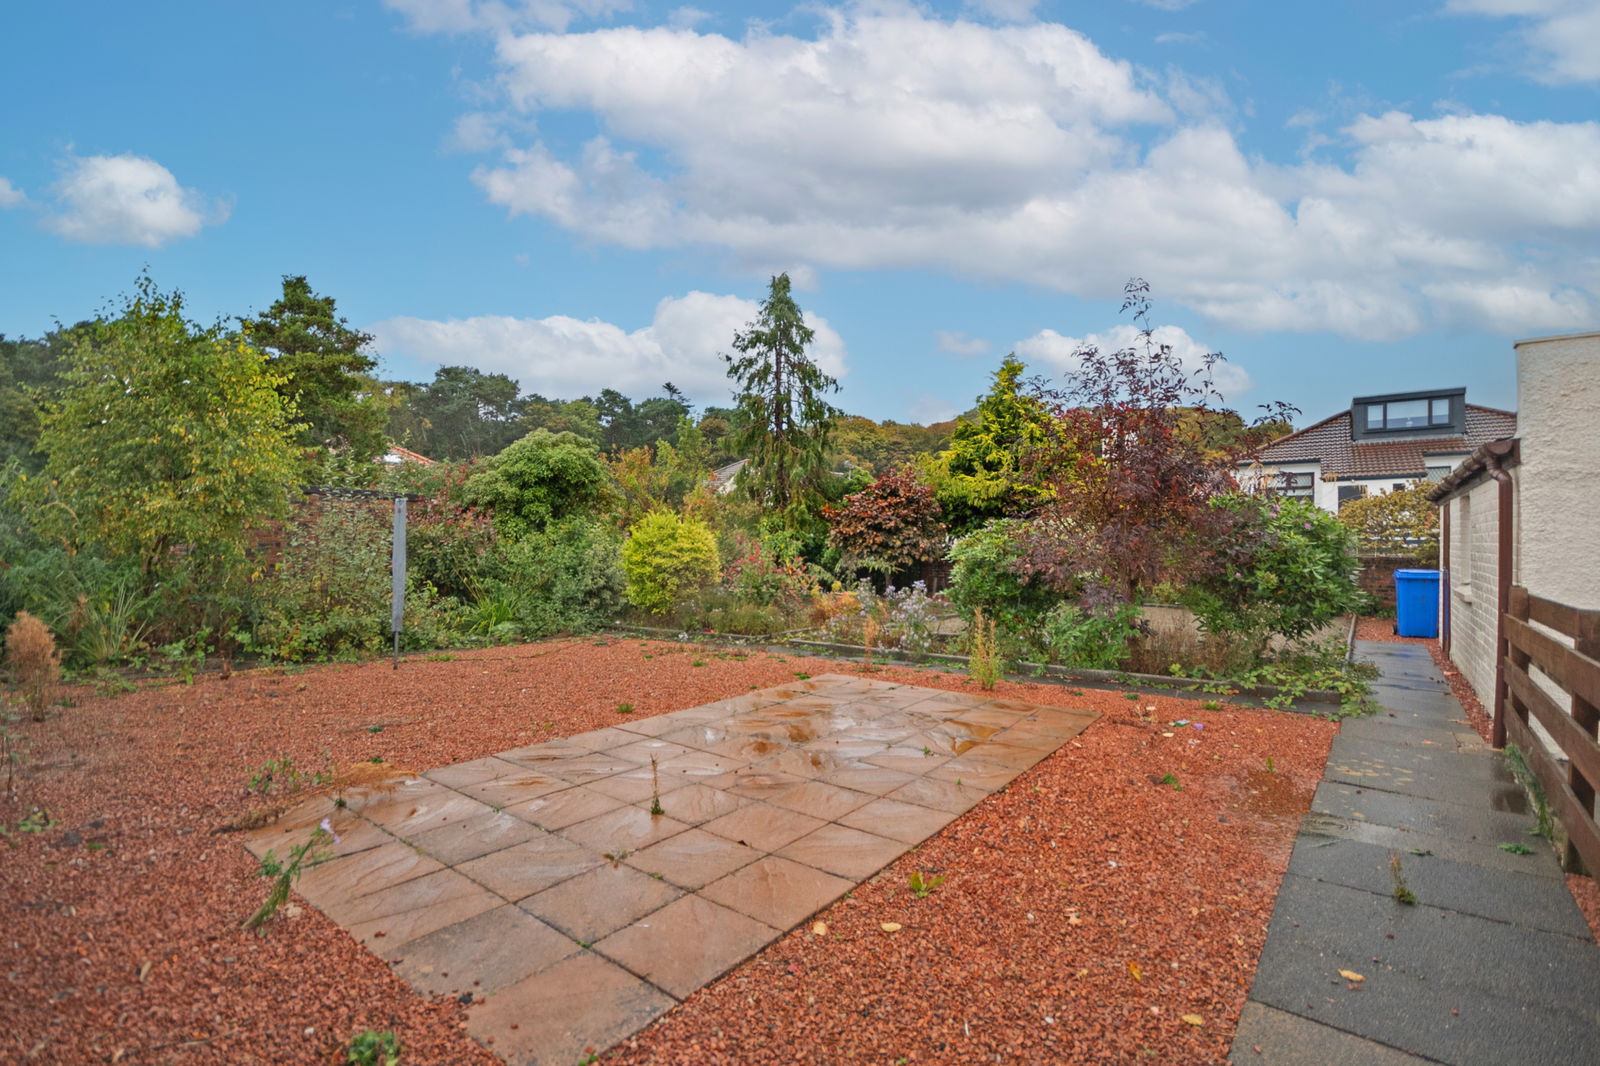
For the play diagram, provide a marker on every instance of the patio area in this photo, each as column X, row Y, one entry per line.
column 571, row 892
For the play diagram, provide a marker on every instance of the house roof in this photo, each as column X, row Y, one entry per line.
column 1329, row 441
column 405, row 455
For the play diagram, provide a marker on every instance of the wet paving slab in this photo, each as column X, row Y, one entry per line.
column 576, row 890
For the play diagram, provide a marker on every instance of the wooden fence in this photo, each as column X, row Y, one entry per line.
column 1576, row 670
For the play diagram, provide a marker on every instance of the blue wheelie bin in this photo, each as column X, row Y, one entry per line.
column 1416, row 603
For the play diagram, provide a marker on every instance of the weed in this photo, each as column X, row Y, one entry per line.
column 371, row 1048
column 34, row 661
column 376, row 759
column 37, row 820
column 1517, row 849
column 615, row 857
column 1172, row 779
column 14, row 748
column 1402, row 892
column 1272, row 767
column 284, row 874
column 922, row 886
column 698, row 662
column 983, row 655
column 655, row 789
column 283, row 775
column 802, row 676
column 374, row 728
column 624, row 707
column 1541, row 804
column 1131, row 696
column 1421, row 851
column 1212, row 705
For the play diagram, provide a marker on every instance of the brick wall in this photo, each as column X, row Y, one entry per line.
column 1376, row 576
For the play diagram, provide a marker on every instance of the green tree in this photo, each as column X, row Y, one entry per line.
column 165, row 436
column 467, row 413
column 325, row 370
column 30, row 374
column 980, row 476
column 542, row 478
column 787, row 422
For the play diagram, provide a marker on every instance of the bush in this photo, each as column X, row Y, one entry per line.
column 668, row 560
column 1402, row 522
column 564, row 580
column 983, row 577
column 34, row 662
column 1091, row 638
column 887, row 526
column 542, row 478
column 899, row 618
column 761, row 577
column 330, row 595
column 1287, row 568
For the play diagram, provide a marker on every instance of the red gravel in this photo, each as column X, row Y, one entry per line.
column 1086, row 910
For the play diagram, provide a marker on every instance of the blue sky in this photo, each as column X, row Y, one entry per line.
column 1344, row 198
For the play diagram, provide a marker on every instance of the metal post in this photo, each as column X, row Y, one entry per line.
column 397, row 566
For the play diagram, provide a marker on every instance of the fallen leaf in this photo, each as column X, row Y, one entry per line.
column 819, row 929
column 1351, row 975
column 1166, row 734
column 890, row 927
column 1133, row 968
column 1193, row 1019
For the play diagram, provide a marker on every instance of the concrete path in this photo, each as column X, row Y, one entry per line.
column 572, row 892
column 1492, row 965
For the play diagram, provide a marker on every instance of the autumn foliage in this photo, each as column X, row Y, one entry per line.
column 34, row 662
column 890, row 524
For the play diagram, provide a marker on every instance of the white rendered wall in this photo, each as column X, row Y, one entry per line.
column 1558, row 422
column 1474, row 575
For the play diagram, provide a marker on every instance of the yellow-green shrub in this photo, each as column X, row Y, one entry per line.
column 668, row 559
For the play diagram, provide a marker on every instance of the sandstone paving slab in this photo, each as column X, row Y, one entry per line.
column 561, row 1015
column 541, row 879
column 483, row 954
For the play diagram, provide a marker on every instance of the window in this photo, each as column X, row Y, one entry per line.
column 1408, row 414
column 1296, row 486
column 1438, row 473
column 1351, row 492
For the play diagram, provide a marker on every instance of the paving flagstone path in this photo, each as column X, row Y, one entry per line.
column 540, row 882
column 1492, row 965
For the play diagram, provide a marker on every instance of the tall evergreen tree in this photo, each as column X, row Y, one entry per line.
column 325, row 367
column 786, row 421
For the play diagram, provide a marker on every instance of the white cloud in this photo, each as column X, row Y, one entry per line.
column 683, row 18
column 1051, row 353
column 1198, row 37
column 568, row 357
column 959, row 343
column 1562, row 37
column 1167, row 5
column 477, row 131
column 10, row 195
column 894, row 139
column 128, row 199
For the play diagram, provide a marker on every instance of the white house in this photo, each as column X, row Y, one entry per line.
column 1379, row 444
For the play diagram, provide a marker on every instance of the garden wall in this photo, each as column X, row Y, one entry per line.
column 1377, row 576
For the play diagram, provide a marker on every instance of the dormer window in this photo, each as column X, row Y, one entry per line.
column 1442, row 413
column 1409, row 414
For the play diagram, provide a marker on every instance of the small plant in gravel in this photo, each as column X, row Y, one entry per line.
column 922, row 885
column 13, row 753
column 284, row 874
column 698, row 662
column 1402, row 892
column 37, row 820
column 1172, row 779
column 286, row 778
column 1517, row 849
column 372, row 1048
column 983, row 655
column 624, row 707
column 1272, row 767
column 34, row 662
column 1212, row 705
column 1130, row 695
